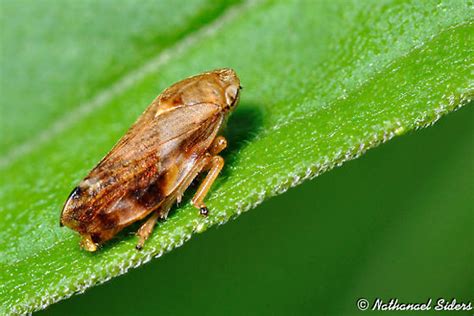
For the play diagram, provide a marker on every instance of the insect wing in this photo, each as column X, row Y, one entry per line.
column 144, row 168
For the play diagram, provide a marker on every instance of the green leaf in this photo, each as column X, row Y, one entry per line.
column 55, row 57
column 323, row 82
column 396, row 223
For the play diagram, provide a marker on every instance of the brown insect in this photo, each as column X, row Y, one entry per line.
column 148, row 170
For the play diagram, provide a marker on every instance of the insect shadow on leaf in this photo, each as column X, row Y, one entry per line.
column 243, row 126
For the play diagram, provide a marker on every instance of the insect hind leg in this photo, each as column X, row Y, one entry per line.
column 146, row 229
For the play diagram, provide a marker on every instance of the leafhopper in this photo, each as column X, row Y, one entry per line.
column 148, row 170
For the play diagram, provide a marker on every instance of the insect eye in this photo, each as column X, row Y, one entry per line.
column 231, row 94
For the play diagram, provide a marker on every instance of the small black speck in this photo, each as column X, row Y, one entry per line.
column 76, row 193
column 204, row 211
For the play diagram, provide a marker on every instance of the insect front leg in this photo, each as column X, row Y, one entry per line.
column 215, row 166
column 218, row 145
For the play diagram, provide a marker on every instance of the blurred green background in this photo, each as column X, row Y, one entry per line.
column 395, row 223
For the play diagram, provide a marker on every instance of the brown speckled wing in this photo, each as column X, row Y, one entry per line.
column 148, row 164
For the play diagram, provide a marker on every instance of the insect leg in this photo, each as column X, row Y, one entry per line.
column 145, row 230
column 88, row 244
column 218, row 145
column 216, row 164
